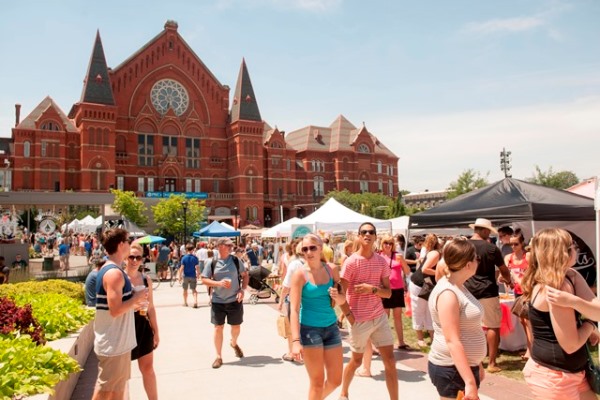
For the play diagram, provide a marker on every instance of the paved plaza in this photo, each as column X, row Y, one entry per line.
column 185, row 354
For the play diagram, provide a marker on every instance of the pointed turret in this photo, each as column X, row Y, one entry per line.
column 96, row 87
column 244, row 105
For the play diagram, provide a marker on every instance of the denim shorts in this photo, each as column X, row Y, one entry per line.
column 327, row 337
column 447, row 380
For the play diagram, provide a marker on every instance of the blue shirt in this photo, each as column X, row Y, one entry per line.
column 63, row 249
column 189, row 262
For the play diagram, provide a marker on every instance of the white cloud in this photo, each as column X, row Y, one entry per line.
column 435, row 149
column 517, row 24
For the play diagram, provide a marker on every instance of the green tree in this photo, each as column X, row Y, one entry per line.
column 557, row 180
column 467, row 181
column 168, row 215
column 130, row 206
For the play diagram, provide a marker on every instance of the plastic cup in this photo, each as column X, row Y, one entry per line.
column 144, row 306
column 227, row 282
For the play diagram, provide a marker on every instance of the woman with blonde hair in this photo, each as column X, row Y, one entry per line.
column 421, row 317
column 556, row 369
column 315, row 334
column 459, row 344
column 399, row 269
column 146, row 325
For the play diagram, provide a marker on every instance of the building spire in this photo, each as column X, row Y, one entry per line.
column 245, row 106
column 96, row 86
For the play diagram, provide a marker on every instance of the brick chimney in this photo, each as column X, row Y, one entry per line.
column 17, row 114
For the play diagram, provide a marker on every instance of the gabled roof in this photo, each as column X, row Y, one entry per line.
column 341, row 135
column 96, row 86
column 244, row 105
column 30, row 122
column 170, row 25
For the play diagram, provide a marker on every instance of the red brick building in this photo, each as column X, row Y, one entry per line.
column 161, row 122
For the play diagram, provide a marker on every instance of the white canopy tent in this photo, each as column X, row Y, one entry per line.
column 335, row 217
column 283, row 229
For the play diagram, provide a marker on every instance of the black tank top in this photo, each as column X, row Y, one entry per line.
column 545, row 349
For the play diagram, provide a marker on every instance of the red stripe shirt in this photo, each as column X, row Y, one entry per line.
column 358, row 269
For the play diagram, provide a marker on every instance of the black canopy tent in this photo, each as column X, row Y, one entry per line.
column 505, row 202
column 524, row 205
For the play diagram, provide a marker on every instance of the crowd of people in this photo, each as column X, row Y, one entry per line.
column 451, row 285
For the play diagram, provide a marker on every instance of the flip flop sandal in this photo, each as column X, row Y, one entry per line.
column 287, row 357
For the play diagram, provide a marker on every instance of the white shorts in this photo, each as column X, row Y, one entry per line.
column 421, row 317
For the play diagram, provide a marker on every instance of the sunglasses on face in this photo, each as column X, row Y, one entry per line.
column 309, row 248
column 135, row 258
column 368, row 231
column 387, row 244
column 515, row 244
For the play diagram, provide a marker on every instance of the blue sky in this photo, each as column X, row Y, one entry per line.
column 444, row 84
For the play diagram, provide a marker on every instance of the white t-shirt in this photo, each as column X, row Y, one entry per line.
column 293, row 266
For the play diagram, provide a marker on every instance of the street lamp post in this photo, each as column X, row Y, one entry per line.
column 235, row 222
column 184, row 204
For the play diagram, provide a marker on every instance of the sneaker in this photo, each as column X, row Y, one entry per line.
column 238, row 352
column 343, row 398
column 218, row 362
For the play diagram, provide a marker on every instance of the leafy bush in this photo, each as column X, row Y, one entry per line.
column 15, row 320
column 56, row 313
column 26, row 368
column 70, row 289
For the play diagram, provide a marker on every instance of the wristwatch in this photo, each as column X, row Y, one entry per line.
column 374, row 290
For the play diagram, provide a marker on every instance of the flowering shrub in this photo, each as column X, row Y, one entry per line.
column 15, row 320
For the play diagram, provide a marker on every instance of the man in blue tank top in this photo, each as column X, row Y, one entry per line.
column 114, row 327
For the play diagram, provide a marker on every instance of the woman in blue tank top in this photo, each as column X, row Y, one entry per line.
column 315, row 334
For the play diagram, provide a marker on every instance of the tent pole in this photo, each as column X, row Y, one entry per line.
column 597, row 209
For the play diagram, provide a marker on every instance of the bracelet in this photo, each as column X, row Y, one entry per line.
column 295, row 340
column 349, row 314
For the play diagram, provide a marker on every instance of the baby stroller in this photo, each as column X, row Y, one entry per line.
column 258, row 281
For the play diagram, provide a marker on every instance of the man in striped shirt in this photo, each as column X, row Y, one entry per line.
column 366, row 280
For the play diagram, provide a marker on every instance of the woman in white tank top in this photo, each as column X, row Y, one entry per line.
column 459, row 343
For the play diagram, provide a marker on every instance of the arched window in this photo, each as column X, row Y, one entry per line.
column 364, row 183
column 50, row 126
column 319, row 186
column 26, row 149
column 363, row 148
column 92, row 135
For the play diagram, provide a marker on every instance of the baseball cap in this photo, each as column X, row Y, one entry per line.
column 224, row 241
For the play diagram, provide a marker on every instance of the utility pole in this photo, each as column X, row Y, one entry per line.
column 505, row 163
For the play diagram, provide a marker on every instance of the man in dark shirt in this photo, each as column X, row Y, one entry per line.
column 413, row 253
column 19, row 263
column 253, row 256
column 483, row 285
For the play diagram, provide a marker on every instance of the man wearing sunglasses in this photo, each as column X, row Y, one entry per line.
column 366, row 280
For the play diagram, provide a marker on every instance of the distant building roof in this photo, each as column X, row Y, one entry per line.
column 30, row 122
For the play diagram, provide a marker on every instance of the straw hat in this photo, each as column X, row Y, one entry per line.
column 483, row 223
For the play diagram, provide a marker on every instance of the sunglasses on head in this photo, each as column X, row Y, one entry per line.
column 307, row 248
column 135, row 258
column 369, row 231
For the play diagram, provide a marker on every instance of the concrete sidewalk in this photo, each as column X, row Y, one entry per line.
column 184, row 357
